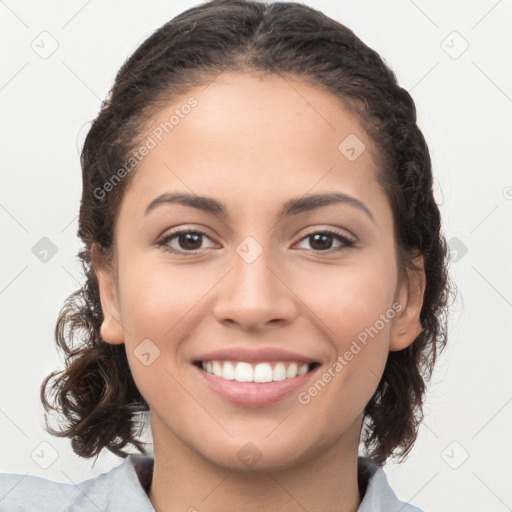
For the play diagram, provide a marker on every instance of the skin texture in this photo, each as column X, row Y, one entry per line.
column 254, row 142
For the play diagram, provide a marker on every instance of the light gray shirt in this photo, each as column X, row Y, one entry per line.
column 125, row 487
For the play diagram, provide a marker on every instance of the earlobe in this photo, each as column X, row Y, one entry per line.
column 406, row 326
column 111, row 328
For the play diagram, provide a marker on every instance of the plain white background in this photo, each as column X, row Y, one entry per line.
column 60, row 59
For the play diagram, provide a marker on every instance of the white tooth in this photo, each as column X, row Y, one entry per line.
column 243, row 372
column 228, row 371
column 279, row 372
column 291, row 371
column 263, row 372
column 303, row 369
column 217, row 369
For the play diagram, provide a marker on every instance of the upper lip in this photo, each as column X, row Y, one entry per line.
column 253, row 355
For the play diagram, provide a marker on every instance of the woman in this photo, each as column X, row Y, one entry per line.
column 266, row 273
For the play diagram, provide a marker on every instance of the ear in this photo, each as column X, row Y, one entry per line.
column 406, row 325
column 111, row 328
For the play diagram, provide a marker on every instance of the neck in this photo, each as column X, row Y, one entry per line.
column 184, row 480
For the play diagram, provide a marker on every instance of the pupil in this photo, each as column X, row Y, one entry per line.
column 187, row 238
column 321, row 237
column 190, row 241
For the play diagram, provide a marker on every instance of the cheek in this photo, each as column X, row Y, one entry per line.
column 156, row 297
column 348, row 299
column 159, row 304
column 164, row 304
column 354, row 307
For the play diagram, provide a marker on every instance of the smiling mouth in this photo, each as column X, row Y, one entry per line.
column 262, row 372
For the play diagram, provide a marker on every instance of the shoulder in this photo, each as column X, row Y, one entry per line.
column 20, row 492
column 118, row 489
column 378, row 494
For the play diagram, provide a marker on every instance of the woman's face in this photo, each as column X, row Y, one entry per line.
column 257, row 280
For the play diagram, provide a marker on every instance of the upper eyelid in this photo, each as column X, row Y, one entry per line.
column 310, row 231
column 332, row 231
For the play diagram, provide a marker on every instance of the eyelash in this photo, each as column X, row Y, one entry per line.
column 348, row 243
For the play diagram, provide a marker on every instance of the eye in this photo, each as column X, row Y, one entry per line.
column 190, row 241
column 187, row 240
column 322, row 240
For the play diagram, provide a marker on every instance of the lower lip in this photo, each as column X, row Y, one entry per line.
column 254, row 394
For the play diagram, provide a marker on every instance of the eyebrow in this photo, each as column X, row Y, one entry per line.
column 291, row 207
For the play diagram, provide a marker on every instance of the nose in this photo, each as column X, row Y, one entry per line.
column 255, row 295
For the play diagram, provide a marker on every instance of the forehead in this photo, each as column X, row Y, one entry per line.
column 255, row 140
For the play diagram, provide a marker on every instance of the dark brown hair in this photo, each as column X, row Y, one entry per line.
column 96, row 392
